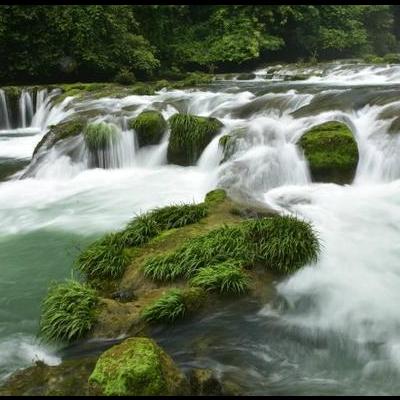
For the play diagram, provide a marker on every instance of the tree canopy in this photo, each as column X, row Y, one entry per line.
column 96, row 42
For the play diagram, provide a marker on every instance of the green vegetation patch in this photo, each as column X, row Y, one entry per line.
column 282, row 244
column 100, row 135
column 136, row 367
column 149, row 126
column 107, row 257
column 189, row 137
column 174, row 305
column 331, row 151
column 68, row 312
column 227, row 278
column 103, row 259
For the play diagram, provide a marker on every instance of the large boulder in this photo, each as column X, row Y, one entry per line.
column 190, row 135
column 137, row 367
column 149, row 126
column 331, row 152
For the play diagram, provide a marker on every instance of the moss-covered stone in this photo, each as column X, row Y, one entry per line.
column 203, row 382
column 394, row 126
column 59, row 132
column 246, row 76
column 190, row 135
column 215, row 196
column 228, row 145
column 67, row 379
column 149, row 126
column 137, row 367
column 331, row 152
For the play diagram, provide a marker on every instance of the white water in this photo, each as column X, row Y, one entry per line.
column 351, row 293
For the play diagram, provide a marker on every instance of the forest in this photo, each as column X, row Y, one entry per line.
column 128, row 42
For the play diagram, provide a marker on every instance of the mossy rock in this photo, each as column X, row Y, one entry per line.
column 215, row 197
column 228, row 144
column 190, row 135
column 67, row 379
column 149, row 126
column 331, row 152
column 137, row 367
column 246, row 76
column 61, row 131
column 394, row 126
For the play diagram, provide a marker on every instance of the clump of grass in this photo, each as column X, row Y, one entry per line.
column 227, row 278
column 139, row 231
column 105, row 258
column 176, row 216
column 174, row 305
column 282, row 243
column 190, row 135
column 169, row 308
column 68, row 312
column 218, row 245
column 99, row 135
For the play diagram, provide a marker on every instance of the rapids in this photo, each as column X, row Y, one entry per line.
column 331, row 328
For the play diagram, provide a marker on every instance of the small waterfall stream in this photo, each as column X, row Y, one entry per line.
column 331, row 328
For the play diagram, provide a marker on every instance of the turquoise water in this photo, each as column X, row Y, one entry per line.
column 28, row 263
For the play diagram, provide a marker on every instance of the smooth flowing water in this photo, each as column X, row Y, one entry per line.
column 331, row 328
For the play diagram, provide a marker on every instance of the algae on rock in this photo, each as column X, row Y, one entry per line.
column 332, row 152
column 137, row 367
column 149, row 126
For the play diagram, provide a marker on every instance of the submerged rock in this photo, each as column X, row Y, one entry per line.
column 331, row 152
column 137, row 367
column 149, row 126
column 67, row 379
column 203, row 382
column 246, row 76
column 190, row 135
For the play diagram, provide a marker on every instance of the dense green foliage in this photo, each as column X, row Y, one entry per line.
column 331, row 151
column 122, row 42
column 190, row 135
column 68, row 312
column 281, row 244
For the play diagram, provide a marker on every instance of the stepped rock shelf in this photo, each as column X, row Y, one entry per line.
column 172, row 263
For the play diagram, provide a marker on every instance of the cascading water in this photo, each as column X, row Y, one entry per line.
column 4, row 117
column 332, row 327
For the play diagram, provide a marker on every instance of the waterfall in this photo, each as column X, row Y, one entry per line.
column 25, row 109
column 4, row 117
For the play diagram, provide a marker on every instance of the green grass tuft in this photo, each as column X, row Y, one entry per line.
column 189, row 136
column 68, row 312
column 227, row 277
column 99, row 135
column 104, row 259
column 169, row 308
column 218, row 245
column 282, row 244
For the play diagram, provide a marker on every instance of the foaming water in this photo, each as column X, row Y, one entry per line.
column 330, row 328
